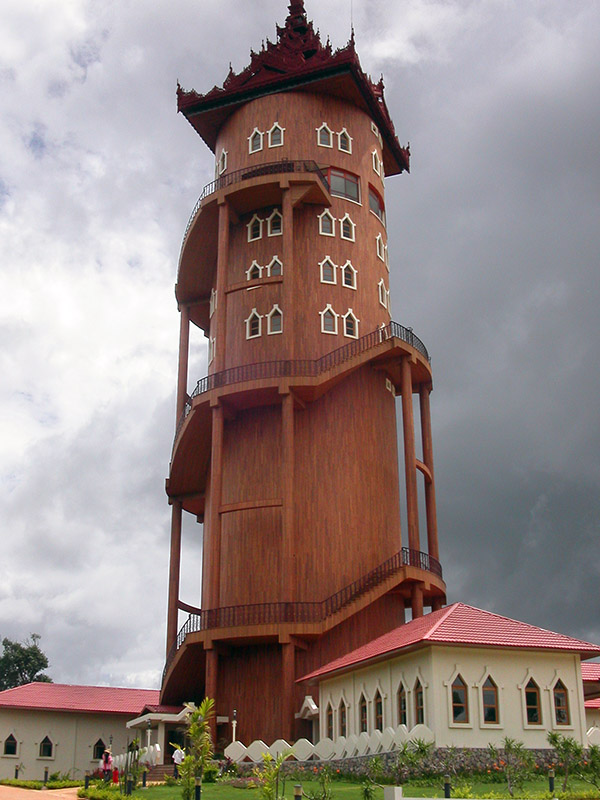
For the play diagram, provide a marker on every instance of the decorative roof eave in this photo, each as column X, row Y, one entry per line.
column 297, row 61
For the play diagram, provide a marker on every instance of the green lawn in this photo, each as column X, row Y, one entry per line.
column 348, row 790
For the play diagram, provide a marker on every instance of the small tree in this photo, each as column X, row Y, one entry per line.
column 568, row 752
column 269, row 776
column 514, row 760
column 589, row 768
column 409, row 758
column 200, row 746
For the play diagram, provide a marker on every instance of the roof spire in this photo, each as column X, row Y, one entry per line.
column 297, row 20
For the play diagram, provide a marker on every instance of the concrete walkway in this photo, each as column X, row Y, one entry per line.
column 14, row 793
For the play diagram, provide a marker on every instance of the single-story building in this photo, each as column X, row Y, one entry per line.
column 469, row 676
column 65, row 728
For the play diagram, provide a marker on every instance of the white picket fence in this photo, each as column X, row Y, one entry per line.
column 365, row 744
column 148, row 755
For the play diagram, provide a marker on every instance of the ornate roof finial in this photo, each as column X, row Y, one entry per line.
column 297, row 20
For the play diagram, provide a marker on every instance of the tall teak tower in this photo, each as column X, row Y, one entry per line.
column 287, row 449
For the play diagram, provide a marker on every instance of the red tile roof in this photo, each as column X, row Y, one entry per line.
column 595, row 703
column 590, row 672
column 92, row 699
column 458, row 624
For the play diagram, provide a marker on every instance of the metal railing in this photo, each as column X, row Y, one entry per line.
column 257, row 171
column 302, row 612
column 302, row 368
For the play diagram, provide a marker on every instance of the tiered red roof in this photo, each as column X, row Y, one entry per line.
column 460, row 625
column 91, row 699
column 298, row 60
column 590, row 672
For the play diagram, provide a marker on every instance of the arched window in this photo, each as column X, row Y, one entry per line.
column 489, row 698
column 275, row 320
column 213, row 302
column 561, row 704
column 532, row 703
column 222, row 162
column 376, row 204
column 329, row 722
column 275, row 267
column 327, row 270
column 350, row 325
column 275, row 224
column 344, row 141
column 98, row 750
column 324, row 136
column 255, row 228
column 253, row 325
column 376, row 162
column 276, row 135
column 342, row 717
column 401, row 696
column 328, row 320
column 380, row 247
column 211, row 348
column 254, row 271
column 383, row 294
column 419, row 703
column 255, row 141
column 378, row 711
column 10, row 745
column 347, row 228
column 460, row 700
column 349, row 276
column 363, row 724
column 344, row 184
column 326, row 224
column 46, row 747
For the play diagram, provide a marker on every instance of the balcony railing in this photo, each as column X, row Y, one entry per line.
column 302, row 368
column 272, row 168
column 309, row 612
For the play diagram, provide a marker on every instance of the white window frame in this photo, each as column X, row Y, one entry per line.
column 459, row 671
column 499, row 689
column 253, row 315
column 375, row 129
column 212, row 305
column 348, row 314
column 333, row 264
column 275, row 126
column 249, row 226
column 321, row 217
column 211, row 348
column 52, row 757
column 322, row 314
column 270, row 218
column 326, row 127
column 376, row 162
column 559, row 726
column 347, row 218
column 382, row 293
column 380, row 246
column 343, row 275
column 339, row 135
column 254, row 265
column 269, row 267
column 532, row 726
column 17, row 752
column 222, row 162
column 274, row 310
column 261, row 135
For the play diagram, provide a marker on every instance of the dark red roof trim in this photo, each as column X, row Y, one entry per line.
column 296, row 59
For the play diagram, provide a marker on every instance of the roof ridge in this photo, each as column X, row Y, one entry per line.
column 443, row 617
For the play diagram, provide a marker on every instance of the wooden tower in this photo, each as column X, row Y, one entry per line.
column 287, row 449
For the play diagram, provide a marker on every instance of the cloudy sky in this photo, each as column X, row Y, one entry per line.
column 494, row 245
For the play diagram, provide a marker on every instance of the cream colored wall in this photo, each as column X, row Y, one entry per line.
column 592, row 718
column 437, row 668
column 73, row 736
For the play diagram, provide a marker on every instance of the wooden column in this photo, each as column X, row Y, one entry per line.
column 288, row 667
column 426, row 437
column 174, row 568
column 416, row 600
column 210, row 683
column 288, row 563
column 182, row 371
column 410, row 467
column 212, row 547
column 288, row 304
column 222, row 264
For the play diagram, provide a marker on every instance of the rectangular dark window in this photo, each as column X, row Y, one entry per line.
column 344, row 184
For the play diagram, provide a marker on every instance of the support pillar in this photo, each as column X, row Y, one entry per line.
column 222, row 264
column 287, row 690
column 212, row 542
column 288, row 565
column 210, row 684
column 182, row 370
column 410, row 466
column 427, row 439
column 174, row 568
column 416, row 600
